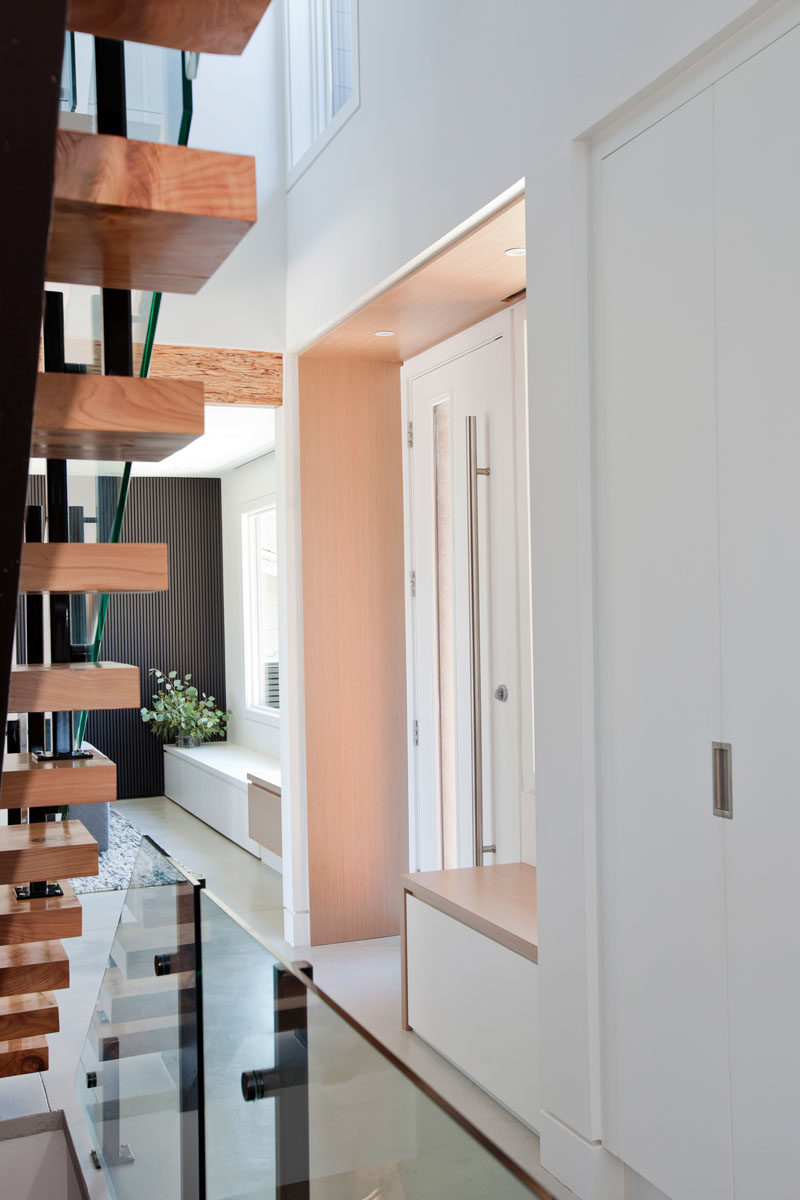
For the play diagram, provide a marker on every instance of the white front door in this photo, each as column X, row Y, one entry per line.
column 464, row 607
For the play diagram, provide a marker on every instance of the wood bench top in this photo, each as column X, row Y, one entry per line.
column 498, row 901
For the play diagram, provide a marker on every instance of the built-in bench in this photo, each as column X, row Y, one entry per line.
column 211, row 782
column 470, row 976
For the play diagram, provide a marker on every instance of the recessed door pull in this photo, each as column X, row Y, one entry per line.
column 722, row 779
column 501, row 693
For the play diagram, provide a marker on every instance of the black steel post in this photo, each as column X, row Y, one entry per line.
column 115, row 1152
column 31, row 52
column 287, row 1081
column 34, row 626
column 191, row 1071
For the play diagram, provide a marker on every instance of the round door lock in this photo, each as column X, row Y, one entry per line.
column 501, row 692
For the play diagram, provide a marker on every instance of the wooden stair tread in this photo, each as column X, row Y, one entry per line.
column 134, row 948
column 150, row 1035
column 140, row 999
column 129, row 214
column 28, row 783
column 23, row 1056
column 113, row 418
column 35, row 967
column 89, row 567
column 30, row 1015
column 207, row 26
column 40, row 920
column 46, row 850
column 72, row 687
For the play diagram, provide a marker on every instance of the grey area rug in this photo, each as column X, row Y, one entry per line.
column 117, row 862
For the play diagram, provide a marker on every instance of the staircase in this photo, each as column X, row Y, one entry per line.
column 125, row 215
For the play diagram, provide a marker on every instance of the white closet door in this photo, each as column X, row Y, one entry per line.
column 667, row 1110
column 758, row 274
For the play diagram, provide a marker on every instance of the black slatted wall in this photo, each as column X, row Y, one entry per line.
column 181, row 629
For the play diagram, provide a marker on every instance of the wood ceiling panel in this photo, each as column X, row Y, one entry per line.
column 464, row 283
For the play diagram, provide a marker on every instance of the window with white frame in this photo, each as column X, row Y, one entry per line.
column 322, row 74
column 260, row 591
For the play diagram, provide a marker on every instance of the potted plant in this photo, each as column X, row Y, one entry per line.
column 181, row 714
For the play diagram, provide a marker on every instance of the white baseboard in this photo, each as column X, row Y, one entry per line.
column 586, row 1168
column 296, row 928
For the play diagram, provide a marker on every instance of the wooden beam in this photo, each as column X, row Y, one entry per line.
column 72, row 687
column 252, row 377
column 46, row 850
column 36, row 967
column 208, row 26
column 113, row 418
column 24, row 1056
column 31, row 1015
column 43, row 920
column 28, row 783
column 94, row 567
column 130, row 214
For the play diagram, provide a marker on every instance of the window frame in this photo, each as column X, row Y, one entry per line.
column 319, row 99
column 252, row 711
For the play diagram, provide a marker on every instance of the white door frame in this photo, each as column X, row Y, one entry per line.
column 509, row 324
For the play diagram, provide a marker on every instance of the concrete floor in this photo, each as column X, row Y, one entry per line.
column 362, row 977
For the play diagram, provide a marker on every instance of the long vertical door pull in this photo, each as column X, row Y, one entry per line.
column 473, row 571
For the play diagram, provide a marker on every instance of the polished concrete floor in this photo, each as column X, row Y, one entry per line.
column 375, row 1112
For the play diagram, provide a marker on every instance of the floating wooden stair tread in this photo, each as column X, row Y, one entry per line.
column 28, row 783
column 208, row 26
column 149, row 1036
column 31, row 1015
column 25, row 1056
column 134, row 949
column 72, row 687
column 41, row 920
column 46, row 850
column 140, row 999
column 112, row 418
column 94, row 567
column 38, row 967
column 130, row 214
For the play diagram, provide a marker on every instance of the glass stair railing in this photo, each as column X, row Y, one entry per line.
column 214, row 1070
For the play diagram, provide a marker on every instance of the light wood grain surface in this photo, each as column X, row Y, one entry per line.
column 41, row 920
column 72, row 687
column 499, row 901
column 354, row 633
column 94, row 567
column 242, row 377
column 24, row 1056
column 36, row 967
column 27, row 783
column 130, row 214
column 464, row 283
column 208, row 26
column 112, row 418
column 31, row 1015
column 46, row 850
column 264, row 816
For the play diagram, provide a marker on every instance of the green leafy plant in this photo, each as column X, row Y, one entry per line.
column 180, row 710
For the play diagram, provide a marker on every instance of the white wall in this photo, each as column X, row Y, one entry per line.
column 460, row 99
column 250, row 482
column 238, row 108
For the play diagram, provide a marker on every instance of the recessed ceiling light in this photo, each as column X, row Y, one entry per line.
column 516, row 252
column 384, row 333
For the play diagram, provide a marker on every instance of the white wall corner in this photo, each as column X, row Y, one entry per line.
column 296, row 928
column 586, row 1168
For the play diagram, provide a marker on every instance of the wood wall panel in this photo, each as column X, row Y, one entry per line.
column 227, row 376
column 354, row 638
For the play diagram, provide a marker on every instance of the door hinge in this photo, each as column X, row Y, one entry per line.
column 412, row 579
column 416, row 733
column 410, row 434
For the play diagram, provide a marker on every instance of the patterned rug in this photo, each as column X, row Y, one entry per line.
column 117, row 862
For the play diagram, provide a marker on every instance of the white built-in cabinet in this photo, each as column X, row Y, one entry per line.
column 697, row 571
